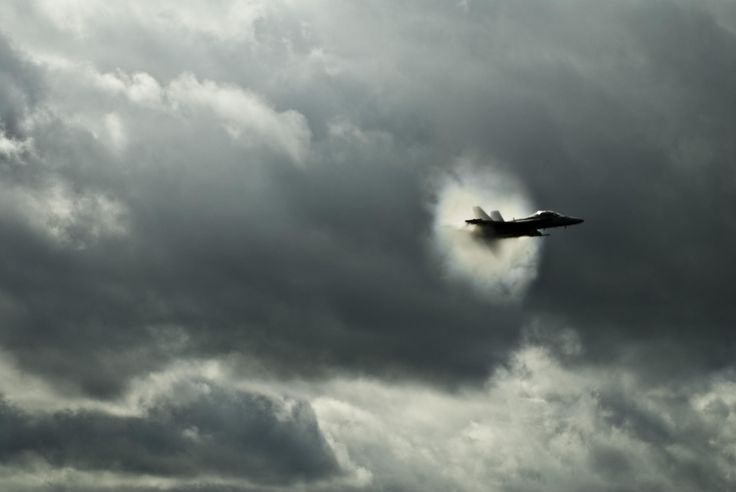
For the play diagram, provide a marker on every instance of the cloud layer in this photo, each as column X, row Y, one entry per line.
column 279, row 188
column 206, row 430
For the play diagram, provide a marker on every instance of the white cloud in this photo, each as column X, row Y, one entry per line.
column 536, row 426
column 13, row 148
column 74, row 219
column 245, row 115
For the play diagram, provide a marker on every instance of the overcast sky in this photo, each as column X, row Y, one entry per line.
column 232, row 251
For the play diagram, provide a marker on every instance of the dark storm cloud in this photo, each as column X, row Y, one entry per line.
column 228, row 249
column 155, row 218
column 214, row 432
column 234, row 249
column 644, row 156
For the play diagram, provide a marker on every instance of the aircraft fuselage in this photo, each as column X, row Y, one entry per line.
column 528, row 226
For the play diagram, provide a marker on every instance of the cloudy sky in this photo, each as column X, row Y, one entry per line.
column 232, row 252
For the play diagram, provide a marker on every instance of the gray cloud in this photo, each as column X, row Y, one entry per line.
column 260, row 183
column 649, row 268
column 19, row 89
column 212, row 432
column 187, row 245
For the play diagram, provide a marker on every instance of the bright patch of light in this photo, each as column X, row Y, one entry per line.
column 502, row 268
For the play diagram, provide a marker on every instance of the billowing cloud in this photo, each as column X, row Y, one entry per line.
column 536, row 426
column 276, row 187
column 205, row 430
column 180, row 238
column 246, row 117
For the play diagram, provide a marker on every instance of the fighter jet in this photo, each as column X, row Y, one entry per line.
column 493, row 225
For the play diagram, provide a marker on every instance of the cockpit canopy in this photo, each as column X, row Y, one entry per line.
column 546, row 213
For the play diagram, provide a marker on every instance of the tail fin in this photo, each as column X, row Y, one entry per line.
column 480, row 214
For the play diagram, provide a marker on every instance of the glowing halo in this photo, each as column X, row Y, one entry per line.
column 503, row 268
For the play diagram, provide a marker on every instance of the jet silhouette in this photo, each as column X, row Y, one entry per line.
column 493, row 225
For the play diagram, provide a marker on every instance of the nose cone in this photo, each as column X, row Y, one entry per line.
column 576, row 220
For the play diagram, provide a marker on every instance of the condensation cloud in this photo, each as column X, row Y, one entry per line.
column 503, row 269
